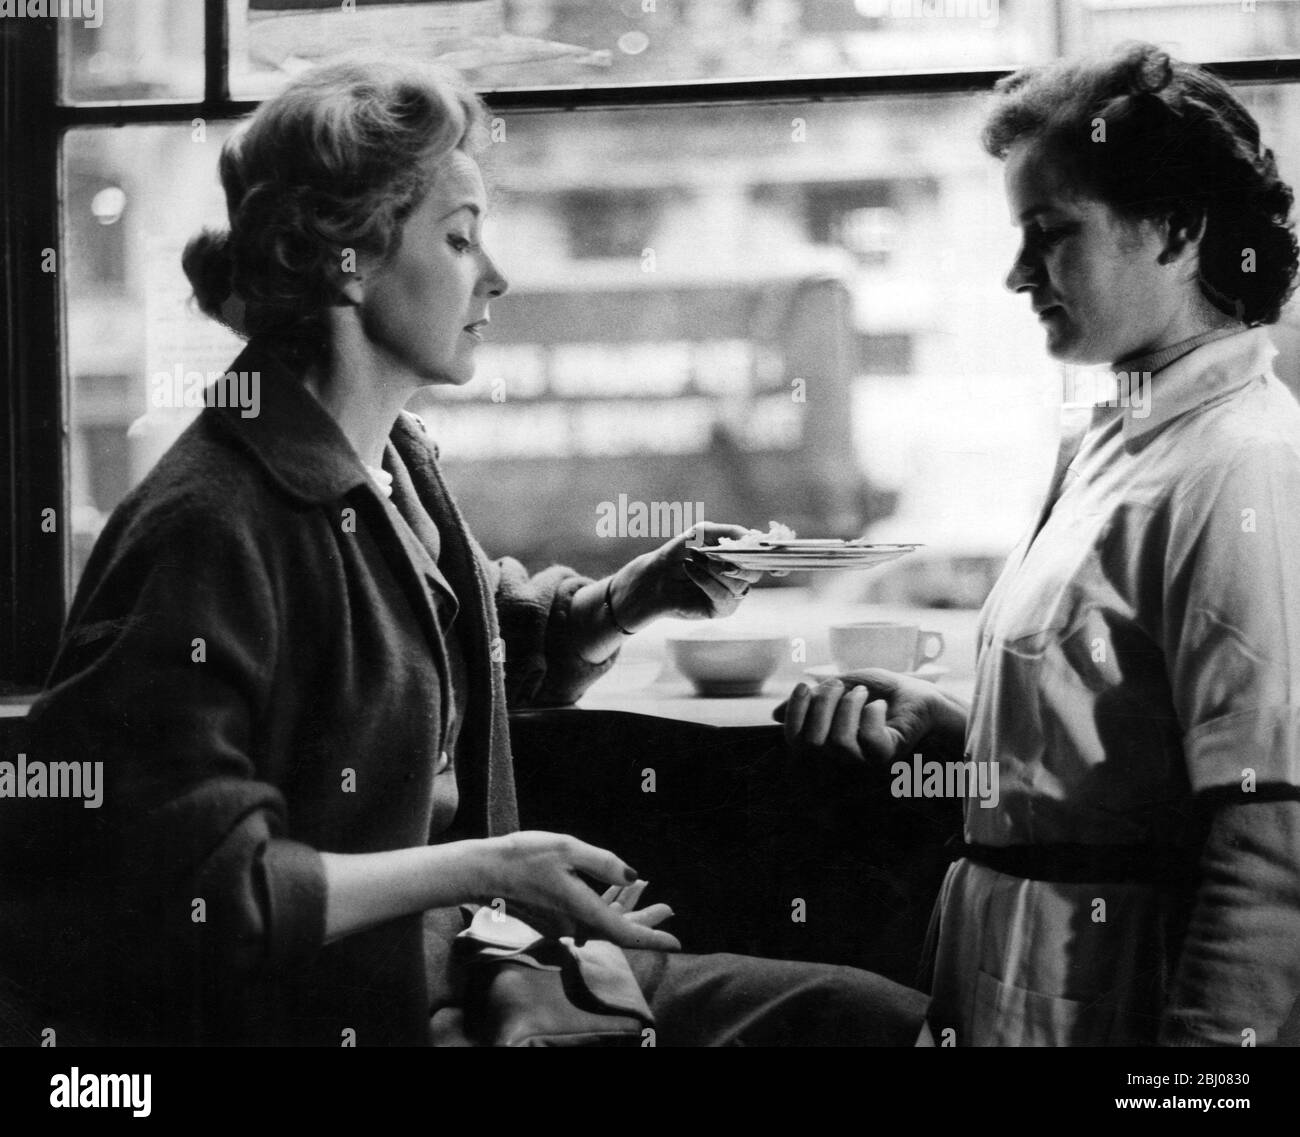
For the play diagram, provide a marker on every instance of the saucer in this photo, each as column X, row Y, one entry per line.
column 930, row 672
column 806, row 556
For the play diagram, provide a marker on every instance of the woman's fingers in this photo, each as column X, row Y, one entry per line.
column 718, row 594
column 875, row 739
column 842, row 718
column 652, row 916
column 632, row 894
column 595, row 917
column 708, row 532
column 796, row 710
column 703, row 534
column 846, row 722
column 660, row 941
column 723, row 584
column 625, row 899
column 598, row 863
column 736, row 583
column 883, row 684
column 821, row 712
column 542, row 880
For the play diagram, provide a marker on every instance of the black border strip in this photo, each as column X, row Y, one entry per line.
column 33, row 579
column 216, row 53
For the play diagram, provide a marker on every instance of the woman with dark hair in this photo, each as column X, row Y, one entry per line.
column 1138, row 676
column 294, row 663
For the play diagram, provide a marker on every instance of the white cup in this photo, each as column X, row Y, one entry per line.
column 882, row 643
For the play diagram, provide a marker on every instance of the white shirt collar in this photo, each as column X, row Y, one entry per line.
column 1212, row 372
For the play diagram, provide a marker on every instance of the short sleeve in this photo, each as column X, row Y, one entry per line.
column 1231, row 619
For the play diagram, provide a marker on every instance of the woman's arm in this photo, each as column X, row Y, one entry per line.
column 165, row 666
column 1232, row 647
column 536, row 872
column 1239, row 970
column 559, row 633
column 670, row 581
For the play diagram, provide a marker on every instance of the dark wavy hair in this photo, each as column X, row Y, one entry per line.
column 1153, row 137
column 338, row 159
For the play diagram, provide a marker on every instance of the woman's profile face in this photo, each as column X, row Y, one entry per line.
column 1093, row 277
column 426, row 307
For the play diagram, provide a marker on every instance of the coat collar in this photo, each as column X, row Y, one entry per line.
column 1213, row 372
column 299, row 445
column 305, row 454
column 292, row 437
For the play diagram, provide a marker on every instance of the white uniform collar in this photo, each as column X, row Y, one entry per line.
column 1208, row 374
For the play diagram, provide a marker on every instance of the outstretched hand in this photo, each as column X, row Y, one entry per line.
column 872, row 716
column 676, row 580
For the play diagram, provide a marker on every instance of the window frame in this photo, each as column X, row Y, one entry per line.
column 35, row 585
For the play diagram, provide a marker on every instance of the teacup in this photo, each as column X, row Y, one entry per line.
column 882, row 643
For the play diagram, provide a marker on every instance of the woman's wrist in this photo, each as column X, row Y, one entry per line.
column 604, row 614
column 948, row 720
column 610, row 614
column 365, row 889
column 630, row 609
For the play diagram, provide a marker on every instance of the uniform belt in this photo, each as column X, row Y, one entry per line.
column 1084, row 864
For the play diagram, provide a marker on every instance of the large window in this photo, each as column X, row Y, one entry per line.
column 754, row 198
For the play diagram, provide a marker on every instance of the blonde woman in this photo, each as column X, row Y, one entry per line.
column 295, row 662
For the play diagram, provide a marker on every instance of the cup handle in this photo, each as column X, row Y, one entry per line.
column 931, row 647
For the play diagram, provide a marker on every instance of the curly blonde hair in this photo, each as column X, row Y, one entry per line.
column 336, row 160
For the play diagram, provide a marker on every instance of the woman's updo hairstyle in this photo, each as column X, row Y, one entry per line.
column 1153, row 137
column 336, row 160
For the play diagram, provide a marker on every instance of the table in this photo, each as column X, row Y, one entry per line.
column 704, row 798
column 657, row 690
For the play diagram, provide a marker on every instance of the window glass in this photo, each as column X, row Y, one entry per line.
column 125, row 50
column 522, row 43
column 153, row 49
column 135, row 195
column 761, row 312
column 1189, row 29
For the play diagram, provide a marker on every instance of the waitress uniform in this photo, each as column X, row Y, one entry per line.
column 1139, row 655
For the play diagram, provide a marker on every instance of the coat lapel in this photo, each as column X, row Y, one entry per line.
column 305, row 453
column 490, row 786
column 420, row 535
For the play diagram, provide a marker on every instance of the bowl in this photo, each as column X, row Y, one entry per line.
column 729, row 666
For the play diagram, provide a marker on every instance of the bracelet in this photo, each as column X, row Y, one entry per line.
column 609, row 607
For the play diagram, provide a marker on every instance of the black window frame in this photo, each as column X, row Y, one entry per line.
column 34, row 579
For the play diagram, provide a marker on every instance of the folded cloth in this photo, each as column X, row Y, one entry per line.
column 527, row 989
